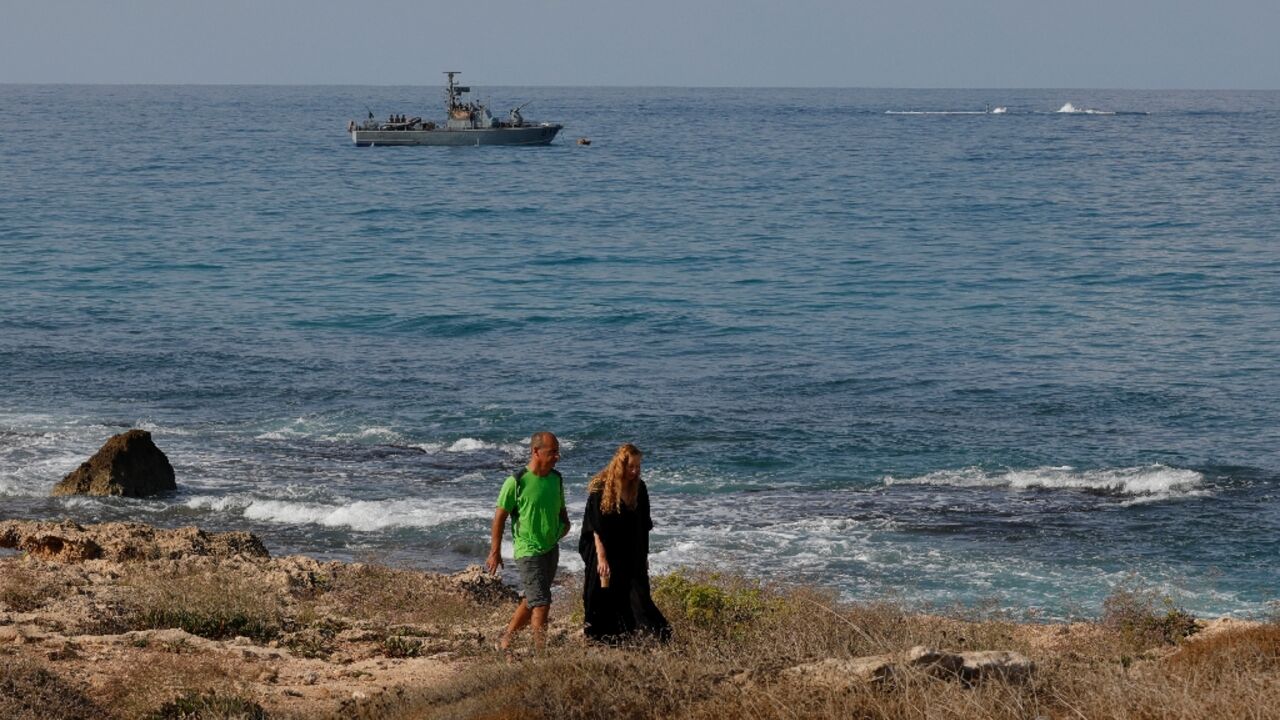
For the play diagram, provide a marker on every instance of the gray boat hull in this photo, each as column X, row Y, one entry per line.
column 531, row 135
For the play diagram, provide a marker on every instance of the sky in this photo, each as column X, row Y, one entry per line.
column 1157, row 44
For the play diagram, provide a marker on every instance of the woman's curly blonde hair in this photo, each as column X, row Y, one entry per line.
column 611, row 482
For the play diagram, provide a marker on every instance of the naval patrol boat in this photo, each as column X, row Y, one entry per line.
column 468, row 123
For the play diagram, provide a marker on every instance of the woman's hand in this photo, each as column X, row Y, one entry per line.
column 602, row 560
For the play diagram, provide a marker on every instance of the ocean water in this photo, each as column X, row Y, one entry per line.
column 973, row 347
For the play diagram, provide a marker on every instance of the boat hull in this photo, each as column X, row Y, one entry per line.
column 533, row 135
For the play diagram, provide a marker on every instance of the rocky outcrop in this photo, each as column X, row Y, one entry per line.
column 970, row 668
column 70, row 542
column 834, row 672
column 128, row 465
column 1006, row 665
column 483, row 588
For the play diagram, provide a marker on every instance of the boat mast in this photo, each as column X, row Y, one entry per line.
column 451, row 93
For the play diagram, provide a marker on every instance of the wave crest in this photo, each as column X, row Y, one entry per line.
column 359, row 515
column 1146, row 481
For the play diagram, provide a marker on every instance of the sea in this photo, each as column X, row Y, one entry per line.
column 999, row 350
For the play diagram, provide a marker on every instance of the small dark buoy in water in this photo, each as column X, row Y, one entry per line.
column 584, row 141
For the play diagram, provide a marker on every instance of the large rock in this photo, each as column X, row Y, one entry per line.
column 129, row 464
column 840, row 673
column 1006, row 665
column 969, row 668
column 974, row 666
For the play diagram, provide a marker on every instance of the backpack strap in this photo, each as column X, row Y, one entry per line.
column 515, row 511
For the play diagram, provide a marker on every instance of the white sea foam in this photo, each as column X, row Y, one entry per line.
column 1146, row 482
column 312, row 429
column 360, row 515
column 385, row 434
column 467, row 444
column 999, row 110
column 156, row 429
column 1071, row 109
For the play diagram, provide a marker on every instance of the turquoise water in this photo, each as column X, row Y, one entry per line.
column 882, row 339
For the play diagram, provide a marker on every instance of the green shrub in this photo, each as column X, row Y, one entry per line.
column 399, row 646
column 1144, row 616
column 711, row 600
column 209, row 706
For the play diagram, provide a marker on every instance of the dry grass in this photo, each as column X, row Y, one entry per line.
column 399, row 606
column 393, row 597
column 31, row 691
column 23, row 589
column 733, row 636
column 166, row 681
column 214, row 605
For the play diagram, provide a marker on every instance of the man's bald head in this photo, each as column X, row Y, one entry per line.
column 544, row 452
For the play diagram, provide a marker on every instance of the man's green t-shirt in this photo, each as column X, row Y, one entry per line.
column 541, row 498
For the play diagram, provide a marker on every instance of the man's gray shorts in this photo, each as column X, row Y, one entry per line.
column 536, row 574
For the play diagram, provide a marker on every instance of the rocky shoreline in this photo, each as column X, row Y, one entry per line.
column 72, row 597
column 125, row 620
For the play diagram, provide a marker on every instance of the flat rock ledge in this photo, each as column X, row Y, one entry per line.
column 969, row 668
column 70, row 542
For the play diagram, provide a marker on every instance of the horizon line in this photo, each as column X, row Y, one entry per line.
column 644, row 87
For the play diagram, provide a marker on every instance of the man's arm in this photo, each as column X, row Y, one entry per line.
column 564, row 521
column 494, row 561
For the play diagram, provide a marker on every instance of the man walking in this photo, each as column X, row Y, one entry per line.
column 534, row 499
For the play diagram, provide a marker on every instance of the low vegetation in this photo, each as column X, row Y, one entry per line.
column 217, row 606
column 202, row 706
column 1143, row 617
column 29, row 690
column 734, row 636
column 23, row 589
column 740, row 649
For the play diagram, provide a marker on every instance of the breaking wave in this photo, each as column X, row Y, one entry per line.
column 469, row 445
column 359, row 515
column 1148, row 481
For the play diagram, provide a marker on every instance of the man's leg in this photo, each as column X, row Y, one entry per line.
column 540, row 626
column 518, row 620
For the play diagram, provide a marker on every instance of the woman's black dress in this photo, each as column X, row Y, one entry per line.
column 625, row 608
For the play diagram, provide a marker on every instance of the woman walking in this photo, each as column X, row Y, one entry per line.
column 615, row 548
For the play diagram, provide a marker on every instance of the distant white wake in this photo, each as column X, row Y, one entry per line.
column 1070, row 109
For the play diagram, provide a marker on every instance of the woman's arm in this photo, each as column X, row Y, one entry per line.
column 602, row 562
